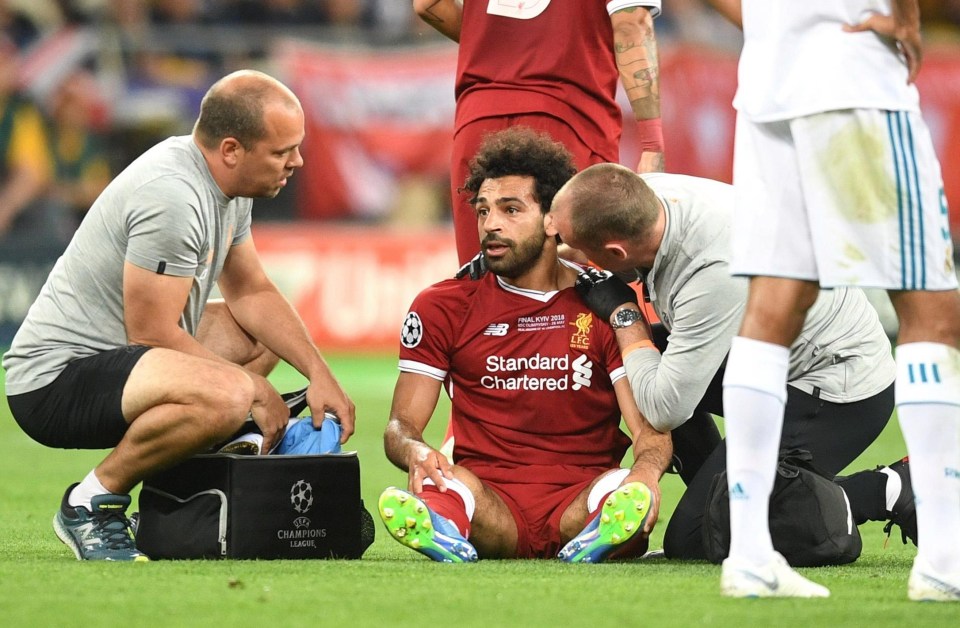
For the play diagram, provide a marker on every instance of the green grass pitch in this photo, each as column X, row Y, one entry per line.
column 42, row 585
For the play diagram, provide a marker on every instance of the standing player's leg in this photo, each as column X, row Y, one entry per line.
column 928, row 408
column 886, row 225
column 770, row 241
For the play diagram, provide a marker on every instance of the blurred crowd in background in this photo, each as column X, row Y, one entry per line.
column 87, row 85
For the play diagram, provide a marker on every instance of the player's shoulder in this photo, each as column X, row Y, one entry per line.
column 451, row 290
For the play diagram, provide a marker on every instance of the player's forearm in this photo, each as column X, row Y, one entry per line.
column 907, row 12
column 635, row 47
column 267, row 316
column 652, row 452
column 400, row 439
column 445, row 16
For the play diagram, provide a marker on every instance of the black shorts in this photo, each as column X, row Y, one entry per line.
column 82, row 408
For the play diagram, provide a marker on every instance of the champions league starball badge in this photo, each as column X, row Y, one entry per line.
column 301, row 496
column 412, row 331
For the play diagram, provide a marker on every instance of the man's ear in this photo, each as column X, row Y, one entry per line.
column 616, row 249
column 230, row 150
column 548, row 225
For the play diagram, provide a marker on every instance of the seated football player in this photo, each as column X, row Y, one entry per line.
column 537, row 389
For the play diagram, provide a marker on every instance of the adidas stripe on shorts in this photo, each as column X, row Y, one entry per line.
column 849, row 197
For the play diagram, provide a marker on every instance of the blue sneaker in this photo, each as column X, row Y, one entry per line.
column 413, row 524
column 100, row 534
column 621, row 518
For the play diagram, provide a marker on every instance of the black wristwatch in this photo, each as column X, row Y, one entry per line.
column 625, row 317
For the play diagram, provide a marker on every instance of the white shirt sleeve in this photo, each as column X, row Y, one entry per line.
column 652, row 5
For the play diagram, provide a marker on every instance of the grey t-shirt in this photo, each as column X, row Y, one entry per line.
column 842, row 349
column 164, row 213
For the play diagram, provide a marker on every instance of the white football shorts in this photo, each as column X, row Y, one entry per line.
column 851, row 197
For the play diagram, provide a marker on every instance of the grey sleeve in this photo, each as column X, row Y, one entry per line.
column 243, row 221
column 707, row 314
column 164, row 228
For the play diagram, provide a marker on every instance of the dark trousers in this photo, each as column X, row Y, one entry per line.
column 835, row 433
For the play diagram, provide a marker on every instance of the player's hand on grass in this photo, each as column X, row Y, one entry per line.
column 426, row 462
column 603, row 292
column 269, row 412
column 474, row 269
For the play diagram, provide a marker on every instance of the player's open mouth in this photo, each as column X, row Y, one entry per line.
column 496, row 249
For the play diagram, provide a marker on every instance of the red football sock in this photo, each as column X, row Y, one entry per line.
column 449, row 505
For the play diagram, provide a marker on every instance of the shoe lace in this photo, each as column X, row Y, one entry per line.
column 113, row 528
column 888, row 530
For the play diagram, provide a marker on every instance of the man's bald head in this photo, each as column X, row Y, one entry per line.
column 606, row 202
column 234, row 107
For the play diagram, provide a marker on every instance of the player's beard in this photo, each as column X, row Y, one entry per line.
column 519, row 259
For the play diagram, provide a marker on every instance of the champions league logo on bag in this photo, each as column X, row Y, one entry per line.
column 301, row 498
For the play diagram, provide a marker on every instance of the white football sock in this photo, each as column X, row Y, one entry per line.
column 85, row 491
column 754, row 394
column 928, row 408
column 604, row 486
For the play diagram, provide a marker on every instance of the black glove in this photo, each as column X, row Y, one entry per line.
column 603, row 292
column 474, row 268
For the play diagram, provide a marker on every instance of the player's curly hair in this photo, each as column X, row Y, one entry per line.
column 521, row 151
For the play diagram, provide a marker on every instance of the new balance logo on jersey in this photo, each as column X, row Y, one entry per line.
column 496, row 329
column 582, row 372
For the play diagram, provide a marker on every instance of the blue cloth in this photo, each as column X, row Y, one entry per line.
column 302, row 438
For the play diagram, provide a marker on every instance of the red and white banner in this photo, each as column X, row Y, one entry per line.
column 353, row 286
column 378, row 117
column 373, row 119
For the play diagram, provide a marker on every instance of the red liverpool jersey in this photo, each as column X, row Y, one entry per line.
column 559, row 61
column 530, row 375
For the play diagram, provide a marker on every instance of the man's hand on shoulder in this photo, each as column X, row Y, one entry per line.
column 474, row 269
column 603, row 292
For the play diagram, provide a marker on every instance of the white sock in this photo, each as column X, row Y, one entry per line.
column 928, row 408
column 894, row 486
column 604, row 486
column 754, row 394
column 85, row 490
column 461, row 489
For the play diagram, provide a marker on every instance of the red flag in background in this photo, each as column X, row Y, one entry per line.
column 373, row 117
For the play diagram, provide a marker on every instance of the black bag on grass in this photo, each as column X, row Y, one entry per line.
column 810, row 519
column 235, row 506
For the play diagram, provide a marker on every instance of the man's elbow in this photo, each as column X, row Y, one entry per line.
column 663, row 422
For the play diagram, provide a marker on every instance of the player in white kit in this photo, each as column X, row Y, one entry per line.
column 837, row 184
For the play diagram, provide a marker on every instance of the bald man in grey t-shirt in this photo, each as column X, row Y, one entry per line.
column 122, row 348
